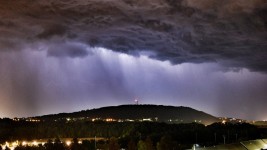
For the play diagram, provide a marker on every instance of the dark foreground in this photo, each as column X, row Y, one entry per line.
column 126, row 135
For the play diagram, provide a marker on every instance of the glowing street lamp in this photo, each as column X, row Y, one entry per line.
column 68, row 143
column 34, row 143
column 24, row 143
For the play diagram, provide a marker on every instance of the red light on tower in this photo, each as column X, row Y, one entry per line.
column 136, row 102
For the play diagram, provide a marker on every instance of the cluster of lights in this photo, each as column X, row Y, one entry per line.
column 11, row 145
column 198, row 121
column 33, row 143
column 147, row 119
column 122, row 120
column 110, row 120
column 33, row 120
column 129, row 120
column 66, row 141
column 26, row 119
column 231, row 120
column 96, row 119
column 75, row 119
column 16, row 119
column 93, row 119
column 107, row 119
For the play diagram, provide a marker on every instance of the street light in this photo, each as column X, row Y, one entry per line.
column 195, row 146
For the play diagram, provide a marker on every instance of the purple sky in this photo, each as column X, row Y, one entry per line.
column 65, row 56
column 33, row 83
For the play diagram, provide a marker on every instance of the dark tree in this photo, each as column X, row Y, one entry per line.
column 149, row 144
column 165, row 143
column 132, row 145
column 113, row 144
column 141, row 145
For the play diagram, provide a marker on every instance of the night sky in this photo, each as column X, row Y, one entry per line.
column 71, row 55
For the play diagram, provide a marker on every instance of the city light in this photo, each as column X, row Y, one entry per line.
column 34, row 143
column 68, row 143
column 24, row 143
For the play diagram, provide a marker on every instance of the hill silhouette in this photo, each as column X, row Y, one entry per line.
column 139, row 112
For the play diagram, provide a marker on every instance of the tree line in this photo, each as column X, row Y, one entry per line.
column 132, row 134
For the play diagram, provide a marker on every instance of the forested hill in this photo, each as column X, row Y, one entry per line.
column 140, row 112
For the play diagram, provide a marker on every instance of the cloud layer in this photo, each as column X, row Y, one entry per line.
column 233, row 33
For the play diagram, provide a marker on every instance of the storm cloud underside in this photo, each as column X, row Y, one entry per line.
column 54, row 53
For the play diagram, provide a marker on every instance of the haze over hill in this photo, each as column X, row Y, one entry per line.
column 140, row 112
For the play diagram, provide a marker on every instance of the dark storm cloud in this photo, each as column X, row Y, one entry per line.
column 67, row 50
column 179, row 31
column 52, row 30
column 228, row 32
